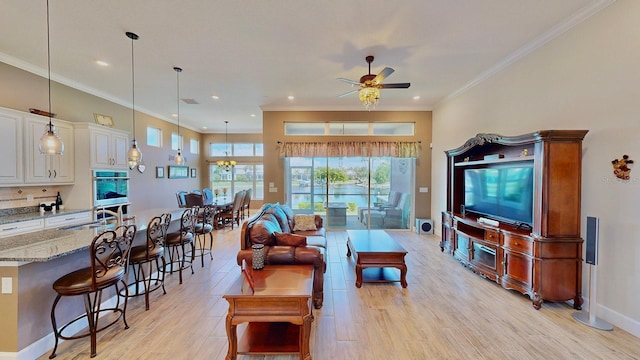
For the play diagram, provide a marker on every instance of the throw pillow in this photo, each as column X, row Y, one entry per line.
column 304, row 222
column 286, row 239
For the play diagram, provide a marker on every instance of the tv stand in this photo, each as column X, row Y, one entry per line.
column 544, row 260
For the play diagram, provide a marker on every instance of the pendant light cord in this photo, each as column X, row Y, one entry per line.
column 49, row 63
column 133, row 89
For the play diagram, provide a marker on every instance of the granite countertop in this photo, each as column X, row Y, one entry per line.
column 45, row 245
column 37, row 215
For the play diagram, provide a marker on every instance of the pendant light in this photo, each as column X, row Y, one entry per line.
column 135, row 156
column 50, row 143
column 226, row 164
column 178, row 159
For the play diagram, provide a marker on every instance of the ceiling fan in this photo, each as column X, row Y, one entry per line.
column 370, row 85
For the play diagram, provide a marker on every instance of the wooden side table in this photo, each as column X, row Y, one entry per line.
column 278, row 310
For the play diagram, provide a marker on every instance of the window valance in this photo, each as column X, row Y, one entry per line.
column 400, row 149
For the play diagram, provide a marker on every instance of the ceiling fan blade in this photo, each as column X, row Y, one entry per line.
column 382, row 75
column 348, row 93
column 396, row 86
column 349, row 81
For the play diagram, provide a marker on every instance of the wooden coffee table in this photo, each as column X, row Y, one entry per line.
column 376, row 249
column 278, row 311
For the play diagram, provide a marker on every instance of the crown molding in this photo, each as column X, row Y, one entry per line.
column 576, row 18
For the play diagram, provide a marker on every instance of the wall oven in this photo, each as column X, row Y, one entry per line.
column 110, row 188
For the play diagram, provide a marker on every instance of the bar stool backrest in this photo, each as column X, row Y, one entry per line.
column 110, row 252
column 155, row 235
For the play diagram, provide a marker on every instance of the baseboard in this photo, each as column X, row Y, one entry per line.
column 622, row 321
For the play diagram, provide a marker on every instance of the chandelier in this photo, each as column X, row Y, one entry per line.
column 369, row 95
column 226, row 164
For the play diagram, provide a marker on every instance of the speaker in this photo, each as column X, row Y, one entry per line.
column 424, row 226
column 592, row 240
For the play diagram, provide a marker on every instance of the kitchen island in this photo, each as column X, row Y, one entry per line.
column 29, row 264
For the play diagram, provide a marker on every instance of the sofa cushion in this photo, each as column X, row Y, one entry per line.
column 262, row 231
column 288, row 239
column 281, row 217
column 304, row 222
column 289, row 212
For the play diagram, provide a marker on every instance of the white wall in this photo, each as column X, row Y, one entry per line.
column 587, row 78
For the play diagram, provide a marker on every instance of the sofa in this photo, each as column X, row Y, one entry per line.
column 287, row 243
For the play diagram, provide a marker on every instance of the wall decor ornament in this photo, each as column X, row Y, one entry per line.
column 621, row 167
column 159, row 172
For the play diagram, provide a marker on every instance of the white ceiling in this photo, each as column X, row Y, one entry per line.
column 253, row 54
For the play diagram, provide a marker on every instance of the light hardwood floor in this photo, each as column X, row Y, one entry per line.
column 446, row 312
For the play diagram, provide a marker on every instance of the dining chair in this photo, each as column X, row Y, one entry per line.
column 233, row 214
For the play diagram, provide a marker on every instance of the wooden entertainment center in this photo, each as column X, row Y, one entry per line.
column 543, row 260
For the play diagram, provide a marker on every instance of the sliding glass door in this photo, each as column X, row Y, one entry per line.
column 354, row 192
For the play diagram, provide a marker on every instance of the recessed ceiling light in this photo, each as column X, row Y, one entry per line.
column 290, row 97
column 215, row 97
column 102, row 63
column 174, row 115
column 417, row 97
column 253, row 115
column 204, row 127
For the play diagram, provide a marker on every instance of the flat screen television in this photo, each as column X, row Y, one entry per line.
column 501, row 193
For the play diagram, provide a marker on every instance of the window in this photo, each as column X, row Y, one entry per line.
column 350, row 128
column 240, row 177
column 219, row 150
column 194, row 145
column 154, row 136
column 176, row 141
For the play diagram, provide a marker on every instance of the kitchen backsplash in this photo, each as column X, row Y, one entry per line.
column 18, row 200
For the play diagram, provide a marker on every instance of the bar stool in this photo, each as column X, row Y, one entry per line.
column 109, row 253
column 144, row 256
column 176, row 242
column 204, row 227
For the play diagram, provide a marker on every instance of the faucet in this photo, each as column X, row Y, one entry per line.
column 117, row 215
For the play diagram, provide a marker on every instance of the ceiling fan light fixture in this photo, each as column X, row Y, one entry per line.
column 369, row 96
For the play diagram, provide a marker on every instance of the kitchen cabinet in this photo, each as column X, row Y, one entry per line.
column 64, row 220
column 21, row 227
column 11, row 171
column 48, row 169
column 108, row 147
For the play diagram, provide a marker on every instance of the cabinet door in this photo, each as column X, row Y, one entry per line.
column 44, row 169
column 120, row 146
column 11, row 171
column 37, row 164
column 100, row 154
column 63, row 166
column 518, row 270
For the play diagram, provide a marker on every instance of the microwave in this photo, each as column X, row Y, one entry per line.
column 110, row 187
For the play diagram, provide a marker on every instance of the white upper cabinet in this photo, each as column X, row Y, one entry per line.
column 48, row 169
column 108, row 147
column 11, row 171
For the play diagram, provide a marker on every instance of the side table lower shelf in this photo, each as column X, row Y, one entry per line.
column 263, row 338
